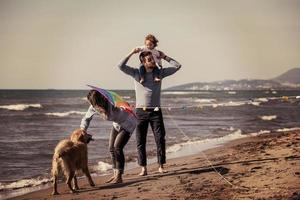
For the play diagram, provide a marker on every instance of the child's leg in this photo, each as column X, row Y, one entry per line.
column 142, row 71
column 157, row 74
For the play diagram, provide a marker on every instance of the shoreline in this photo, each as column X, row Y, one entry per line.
column 192, row 177
column 175, row 150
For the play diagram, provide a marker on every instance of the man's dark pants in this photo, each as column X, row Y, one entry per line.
column 155, row 119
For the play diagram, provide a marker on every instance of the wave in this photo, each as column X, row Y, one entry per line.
column 278, row 130
column 260, row 132
column 268, row 117
column 192, row 147
column 288, row 129
column 39, row 181
column 64, row 114
column 230, row 103
column 262, row 99
column 211, row 141
column 20, row 107
column 185, row 92
column 205, row 100
column 24, row 183
column 102, row 166
column 255, row 103
column 232, row 92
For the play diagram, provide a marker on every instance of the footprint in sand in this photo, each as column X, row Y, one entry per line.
column 254, row 169
column 297, row 173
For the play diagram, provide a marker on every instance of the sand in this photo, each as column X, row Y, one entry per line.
column 260, row 167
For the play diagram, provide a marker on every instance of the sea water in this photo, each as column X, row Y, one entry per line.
column 33, row 121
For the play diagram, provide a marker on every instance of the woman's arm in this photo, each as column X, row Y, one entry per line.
column 85, row 122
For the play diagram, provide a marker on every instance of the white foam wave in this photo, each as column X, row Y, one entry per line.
column 231, row 128
column 288, row 129
column 174, row 148
column 103, row 166
column 20, row 106
column 262, row 100
column 260, row 132
column 297, row 97
column 255, row 103
column 232, row 92
column 185, row 92
column 24, row 183
column 64, row 114
column 212, row 141
column 268, row 117
column 205, row 100
column 230, row 103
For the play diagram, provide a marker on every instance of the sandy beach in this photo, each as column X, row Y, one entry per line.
column 266, row 166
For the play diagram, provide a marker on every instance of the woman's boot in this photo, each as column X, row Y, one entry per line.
column 118, row 177
column 113, row 177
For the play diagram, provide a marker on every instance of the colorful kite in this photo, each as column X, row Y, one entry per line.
column 114, row 99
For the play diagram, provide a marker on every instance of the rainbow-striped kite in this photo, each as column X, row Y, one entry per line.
column 114, row 99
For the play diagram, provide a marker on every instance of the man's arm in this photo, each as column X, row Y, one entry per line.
column 85, row 122
column 123, row 64
column 169, row 70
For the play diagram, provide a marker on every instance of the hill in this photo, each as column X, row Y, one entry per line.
column 288, row 80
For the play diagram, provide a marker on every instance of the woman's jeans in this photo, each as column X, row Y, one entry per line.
column 117, row 142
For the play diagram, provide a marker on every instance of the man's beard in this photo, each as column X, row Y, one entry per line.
column 152, row 66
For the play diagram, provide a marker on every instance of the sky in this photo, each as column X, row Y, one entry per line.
column 66, row 44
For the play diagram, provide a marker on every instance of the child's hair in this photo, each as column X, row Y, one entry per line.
column 152, row 38
column 97, row 99
column 143, row 55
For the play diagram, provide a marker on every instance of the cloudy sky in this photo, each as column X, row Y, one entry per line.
column 66, row 44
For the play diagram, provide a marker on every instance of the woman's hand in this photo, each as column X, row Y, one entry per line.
column 83, row 131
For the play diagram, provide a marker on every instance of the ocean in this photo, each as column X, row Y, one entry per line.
column 33, row 121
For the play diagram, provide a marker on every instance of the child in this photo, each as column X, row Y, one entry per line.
column 150, row 44
column 124, row 124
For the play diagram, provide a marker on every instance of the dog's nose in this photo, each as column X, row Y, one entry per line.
column 89, row 137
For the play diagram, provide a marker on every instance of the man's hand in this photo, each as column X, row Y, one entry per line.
column 135, row 50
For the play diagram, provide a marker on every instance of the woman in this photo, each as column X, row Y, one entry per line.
column 124, row 124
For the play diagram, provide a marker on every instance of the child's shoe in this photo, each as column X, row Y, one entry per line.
column 156, row 79
column 142, row 80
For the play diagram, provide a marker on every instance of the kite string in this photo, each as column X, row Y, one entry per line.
column 210, row 163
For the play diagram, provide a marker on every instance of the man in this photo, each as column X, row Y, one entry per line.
column 148, row 105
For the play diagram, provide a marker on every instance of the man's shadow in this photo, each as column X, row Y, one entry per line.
column 218, row 167
column 155, row 176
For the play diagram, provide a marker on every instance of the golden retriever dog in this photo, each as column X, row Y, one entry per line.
column 71, row 155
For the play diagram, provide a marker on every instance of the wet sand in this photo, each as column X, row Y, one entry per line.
column 260, row 167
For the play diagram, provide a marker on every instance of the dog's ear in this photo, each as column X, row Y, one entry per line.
column 77, row 136
column 81, row 137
